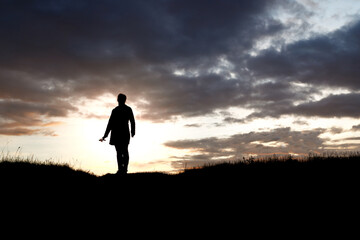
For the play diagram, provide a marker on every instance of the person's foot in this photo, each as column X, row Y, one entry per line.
column 121, row 172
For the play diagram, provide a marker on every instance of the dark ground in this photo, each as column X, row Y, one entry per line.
column 271, row 196
column 337, row 175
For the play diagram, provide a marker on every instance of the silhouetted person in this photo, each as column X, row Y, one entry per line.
column 120, row 136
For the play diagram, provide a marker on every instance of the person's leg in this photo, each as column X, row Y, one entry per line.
column 125, row 157
column 122, row 157
column 119, row 156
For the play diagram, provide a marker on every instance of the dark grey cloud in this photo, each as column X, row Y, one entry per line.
column 356, row 128
column 192, row 125
column 341, row 105
column 280, row 141
column 66, row 39
column 22, row 118
column 62, row 50
column 326, row 60
column 53, row 52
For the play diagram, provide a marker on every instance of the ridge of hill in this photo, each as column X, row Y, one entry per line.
column 330, row 169
column 285, row 189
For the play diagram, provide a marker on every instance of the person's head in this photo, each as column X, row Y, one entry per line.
column 121, row 98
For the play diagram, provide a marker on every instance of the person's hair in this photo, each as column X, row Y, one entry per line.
column 121, row 98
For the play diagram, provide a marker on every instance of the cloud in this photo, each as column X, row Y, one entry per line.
column 177, row 58
column 356, row 128
column 192, row 125
column 60, row 51
column 4, row 130
column 327, row 59
column 67, row 40
column 302, row 69
column 341, row 105
column 25, row 118
column 280, row 140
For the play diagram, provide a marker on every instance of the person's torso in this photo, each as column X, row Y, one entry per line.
column 121, row 117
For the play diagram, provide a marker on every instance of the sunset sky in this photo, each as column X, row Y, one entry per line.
column 207, row 80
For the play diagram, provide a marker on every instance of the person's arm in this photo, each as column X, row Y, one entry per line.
column 132, row 122
column 108, row 128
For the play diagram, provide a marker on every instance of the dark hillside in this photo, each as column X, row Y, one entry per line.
column 275, row 194
column 273, row 175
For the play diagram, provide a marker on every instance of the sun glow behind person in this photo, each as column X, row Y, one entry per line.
column 243, row 78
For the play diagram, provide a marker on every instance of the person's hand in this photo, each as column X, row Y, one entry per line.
column 102, row 139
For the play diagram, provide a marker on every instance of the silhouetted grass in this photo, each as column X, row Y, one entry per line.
column 313, row 163
column 13, row 165
column 267, row 174
column 28, row 176
column 246, row 189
